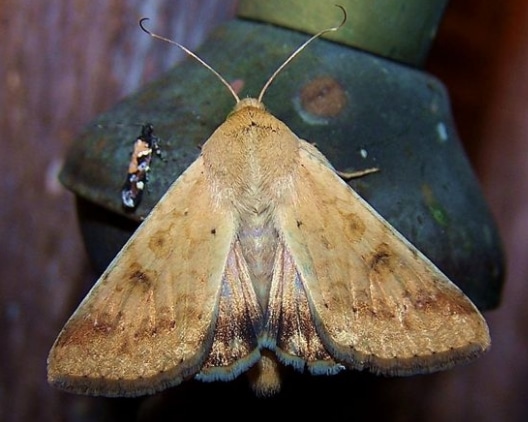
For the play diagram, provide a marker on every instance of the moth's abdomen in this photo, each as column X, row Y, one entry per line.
column 258, row 240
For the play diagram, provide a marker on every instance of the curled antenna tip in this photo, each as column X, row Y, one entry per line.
column 344, row 16
column 142, row 25
column 190, row 53
column 298, row 50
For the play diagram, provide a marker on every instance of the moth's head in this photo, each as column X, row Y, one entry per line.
column 248, row 102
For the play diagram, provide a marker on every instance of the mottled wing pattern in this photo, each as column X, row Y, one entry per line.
column 290, row 330
column 235, row 345
column 376, row 302
column 149, row 322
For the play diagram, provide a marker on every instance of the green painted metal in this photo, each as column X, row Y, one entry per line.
column 401, row 30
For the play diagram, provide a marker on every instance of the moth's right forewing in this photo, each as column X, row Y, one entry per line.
column 148, row 322
column 376, row 301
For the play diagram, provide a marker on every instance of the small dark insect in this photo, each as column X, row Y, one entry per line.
column 139, row 167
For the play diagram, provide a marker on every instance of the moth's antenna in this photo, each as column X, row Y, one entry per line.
column 299, row 49
column 190, row 53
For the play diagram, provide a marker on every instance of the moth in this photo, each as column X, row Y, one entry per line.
column 139, row 167
column 260, row 255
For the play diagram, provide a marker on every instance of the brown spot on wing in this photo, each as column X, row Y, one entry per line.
column 355, row 228
column 157, row 242
column 382, row 259
column 440, row 302
column 83, row 330
column 141, row 278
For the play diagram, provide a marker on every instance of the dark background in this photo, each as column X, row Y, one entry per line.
column 64, row 61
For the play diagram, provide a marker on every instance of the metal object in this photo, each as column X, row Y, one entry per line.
column 360, row 109
column 401, row 30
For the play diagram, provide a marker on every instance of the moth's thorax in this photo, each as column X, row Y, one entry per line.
column 251, row 157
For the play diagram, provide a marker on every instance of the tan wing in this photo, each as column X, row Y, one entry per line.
column 149, row 321
column 376, row 301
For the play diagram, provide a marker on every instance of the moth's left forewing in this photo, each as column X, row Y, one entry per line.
column 376, row 301
column 149, row 322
